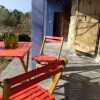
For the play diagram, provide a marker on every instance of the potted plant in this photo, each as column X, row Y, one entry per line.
column 10, row 40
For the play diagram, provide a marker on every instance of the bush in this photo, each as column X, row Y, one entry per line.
column 1, row 37
column 24, row 37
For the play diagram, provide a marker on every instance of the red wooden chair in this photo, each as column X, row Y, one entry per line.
column 42, row 58
column 25, row 87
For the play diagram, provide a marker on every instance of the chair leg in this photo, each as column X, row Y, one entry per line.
column 54, row 82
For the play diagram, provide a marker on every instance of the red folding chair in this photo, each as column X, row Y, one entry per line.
column 25, row 87
column 42, row 58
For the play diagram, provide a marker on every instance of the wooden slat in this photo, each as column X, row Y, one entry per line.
column 53, row 37
column 32, row 93
column 51, row 40
column 98, row 7
column 44, row 58
column 35, row 72
column 89, row 6
column 34, row 81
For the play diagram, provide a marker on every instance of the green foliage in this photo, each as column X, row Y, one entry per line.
column 1, row 37
column 14, row 18
column 24, row 37
column 4, row 13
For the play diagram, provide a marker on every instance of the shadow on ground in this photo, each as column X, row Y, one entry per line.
column 81, row 85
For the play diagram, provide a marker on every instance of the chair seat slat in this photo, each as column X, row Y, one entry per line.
column 37, row 93
column 15, row 95
column 45, row 58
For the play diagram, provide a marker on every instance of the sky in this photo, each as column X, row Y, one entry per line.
column 21, row 5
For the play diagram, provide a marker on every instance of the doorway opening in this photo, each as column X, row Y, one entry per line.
column 57, row 26
column 61, row 22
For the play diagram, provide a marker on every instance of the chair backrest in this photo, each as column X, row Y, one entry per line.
column 23, row 81
column 52, row 39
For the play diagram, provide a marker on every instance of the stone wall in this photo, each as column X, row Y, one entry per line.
column 72, row 26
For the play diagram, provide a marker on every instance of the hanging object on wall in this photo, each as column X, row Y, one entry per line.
column 87, row 28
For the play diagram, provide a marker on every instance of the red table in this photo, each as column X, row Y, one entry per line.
column 20, row 52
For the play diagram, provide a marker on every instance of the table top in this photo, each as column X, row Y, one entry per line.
column 23, row 48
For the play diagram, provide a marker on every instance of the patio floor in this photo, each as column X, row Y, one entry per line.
column 80, row 79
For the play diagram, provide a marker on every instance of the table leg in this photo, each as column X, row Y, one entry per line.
column 27, row 62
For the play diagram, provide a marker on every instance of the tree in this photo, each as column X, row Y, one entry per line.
column 16, row 17
column 4, row 14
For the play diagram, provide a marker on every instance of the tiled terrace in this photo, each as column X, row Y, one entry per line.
column 80, row 79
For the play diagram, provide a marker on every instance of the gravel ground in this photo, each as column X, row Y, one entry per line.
column 4, row 62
